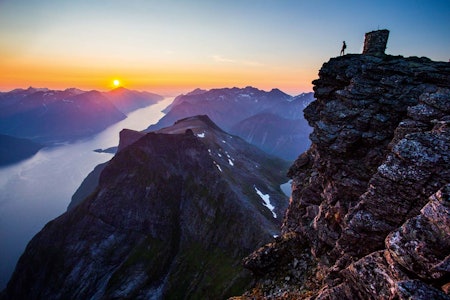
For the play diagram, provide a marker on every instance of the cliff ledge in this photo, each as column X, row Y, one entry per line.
column 369, row 214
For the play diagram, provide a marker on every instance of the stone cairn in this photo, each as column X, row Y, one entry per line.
column 375, row 42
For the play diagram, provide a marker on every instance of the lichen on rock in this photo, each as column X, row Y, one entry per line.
column 370, row 196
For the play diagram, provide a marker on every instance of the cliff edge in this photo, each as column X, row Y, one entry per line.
column 369, row 214
column 170, row 217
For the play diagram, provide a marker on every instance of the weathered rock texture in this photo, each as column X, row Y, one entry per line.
column 172, row 216
column 375, row 42
column 370, row 208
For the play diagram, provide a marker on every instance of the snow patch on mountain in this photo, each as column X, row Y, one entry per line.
column 218, row 167
column 266, row 199
column 230, row 159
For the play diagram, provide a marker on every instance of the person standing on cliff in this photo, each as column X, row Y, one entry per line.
column 344, row 46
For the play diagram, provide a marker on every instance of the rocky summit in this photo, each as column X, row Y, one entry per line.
column 172, row 216
column 370, row 209
column 176, row 209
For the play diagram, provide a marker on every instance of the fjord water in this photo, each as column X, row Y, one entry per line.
column 39, row 189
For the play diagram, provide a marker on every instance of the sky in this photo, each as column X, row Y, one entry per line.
column 174, row 46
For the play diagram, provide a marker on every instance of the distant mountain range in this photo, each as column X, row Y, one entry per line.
column 128, row 100
column 169, row 217
column 45, row 115
column 48, row 116
column 273, row 120
column 175, row 210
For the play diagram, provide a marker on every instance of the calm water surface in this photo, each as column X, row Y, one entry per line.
column 39, row 189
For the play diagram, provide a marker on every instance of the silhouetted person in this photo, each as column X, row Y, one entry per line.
column 344, row 46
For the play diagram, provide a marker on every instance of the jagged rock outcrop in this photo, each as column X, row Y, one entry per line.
column 171, row 218
column 369, row 213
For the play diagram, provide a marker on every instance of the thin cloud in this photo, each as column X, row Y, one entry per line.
column 253, row 63
column 220, row 58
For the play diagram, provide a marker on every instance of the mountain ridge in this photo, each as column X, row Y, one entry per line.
column 61, row 115
column 231, row 107
column 370, row 197
column 172, row 215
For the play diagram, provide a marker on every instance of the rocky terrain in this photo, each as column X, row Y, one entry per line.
column 369, row 214
column 272, row 121
column 89, row 184
column 172, row 216
column 176, row 209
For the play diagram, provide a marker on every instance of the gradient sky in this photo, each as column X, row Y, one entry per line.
column 175, row 46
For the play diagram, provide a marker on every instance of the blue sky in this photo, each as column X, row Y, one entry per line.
column 181, row 45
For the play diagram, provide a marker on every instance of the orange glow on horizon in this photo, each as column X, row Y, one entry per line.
column 166, row 80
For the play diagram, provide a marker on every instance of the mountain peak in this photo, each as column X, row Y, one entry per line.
column 169, row 210
column 198, row 121
column 120, row 89
column 197, row 91
column 33, row 89
column 74, row 91
column 373, row 223
column 236, row 110
column 280, row 93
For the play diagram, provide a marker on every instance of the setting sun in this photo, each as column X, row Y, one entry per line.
column 116, row 82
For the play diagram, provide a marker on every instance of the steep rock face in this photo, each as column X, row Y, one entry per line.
column 172, row 216
column 272, row 121
column 358, row 216
column 89, row 184
column 128, row 137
